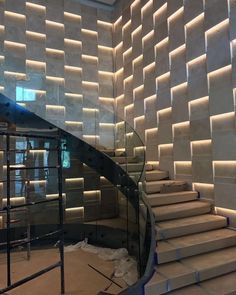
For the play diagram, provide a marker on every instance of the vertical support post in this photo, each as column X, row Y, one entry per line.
column 61, row 214
column 8, row 211
column 27, row 188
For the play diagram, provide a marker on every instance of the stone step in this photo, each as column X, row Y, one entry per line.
column 156, row 175
column 164, row 186
column 133, row 167
column 192, row 270
column 124, row 160
column 182, row 247
column 181, row 210
column 189, row 225
column 171, row 198
column 223, row 285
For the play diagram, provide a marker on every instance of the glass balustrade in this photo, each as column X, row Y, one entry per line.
column 101, row 197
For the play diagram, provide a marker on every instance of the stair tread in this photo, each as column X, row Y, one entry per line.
column 181, row 209
column 193, row 290
column 207, row 266
column 194, row 244
column 222, row 285
column 165, row 182
column 188, row 221
column 188, row 225
column 156, row 175
column 159, row 195
column 199, row 238
column 212, row 259
column 159, row 199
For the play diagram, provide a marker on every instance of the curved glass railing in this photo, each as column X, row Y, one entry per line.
column 107, row 209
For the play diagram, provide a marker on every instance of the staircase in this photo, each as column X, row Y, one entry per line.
column 196, row 251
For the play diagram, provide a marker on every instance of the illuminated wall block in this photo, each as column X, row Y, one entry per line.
column 149, row 81
column 162, row 57
column 11, row 6
column 151, row 144
column 128, row 70
column 128, row 90
column 74, row 127
column 92, row 207
column 223, row 137
column 177, row 66
column 74, row 214
column 14, row 27
column 73, row 7
column 218, row 47
column 55, row 113
column 139, row 124
column 176, row 29
column 105, row 60
column 206, row 190
column 129, row 114
column 90, row 93
column 195, row 36
column 72, row 26
column 74, row 105
column 147, row 15
column 192, row 9
column 137, row 48
column 174, row 6
column 89, row 42
column 73, row 79
column 118, row 60
column 127, row 56
column 90, row 70
column 180, row 103
column 150, row 111
column 117, row 32
column 55, row 10
column 160, row 20
column 232, row 20
column 55, row 63
column 35, row 18
column 127, row 40
column 199, row 119
column 35, row 48
column 163, row 92
column 215, row 12
column 183, row 170
column 202, row 161
column 120, row 108
column 104, row 35
column 73, row 51
column 120, row 130
column 118, row 81
column 55, row 35
column 89, row 17
column 164, row 118
column 138, row 72
column 197, row 78
column 166, row 159
column 105, row 81
column 181, row 148
column 138, row 108
column 224, row 172
column 106, row 135
column 15, row 54
column 220, row 85
column 109, row 204
column 90, row 122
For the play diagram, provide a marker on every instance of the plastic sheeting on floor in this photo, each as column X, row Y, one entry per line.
column 125, row 266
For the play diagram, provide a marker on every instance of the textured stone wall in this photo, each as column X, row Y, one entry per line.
column 175, row 83
column 61, row 52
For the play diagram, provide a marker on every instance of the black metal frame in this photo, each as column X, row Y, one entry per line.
column 12, row 244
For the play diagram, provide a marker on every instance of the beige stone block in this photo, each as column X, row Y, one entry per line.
column 215, row 12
